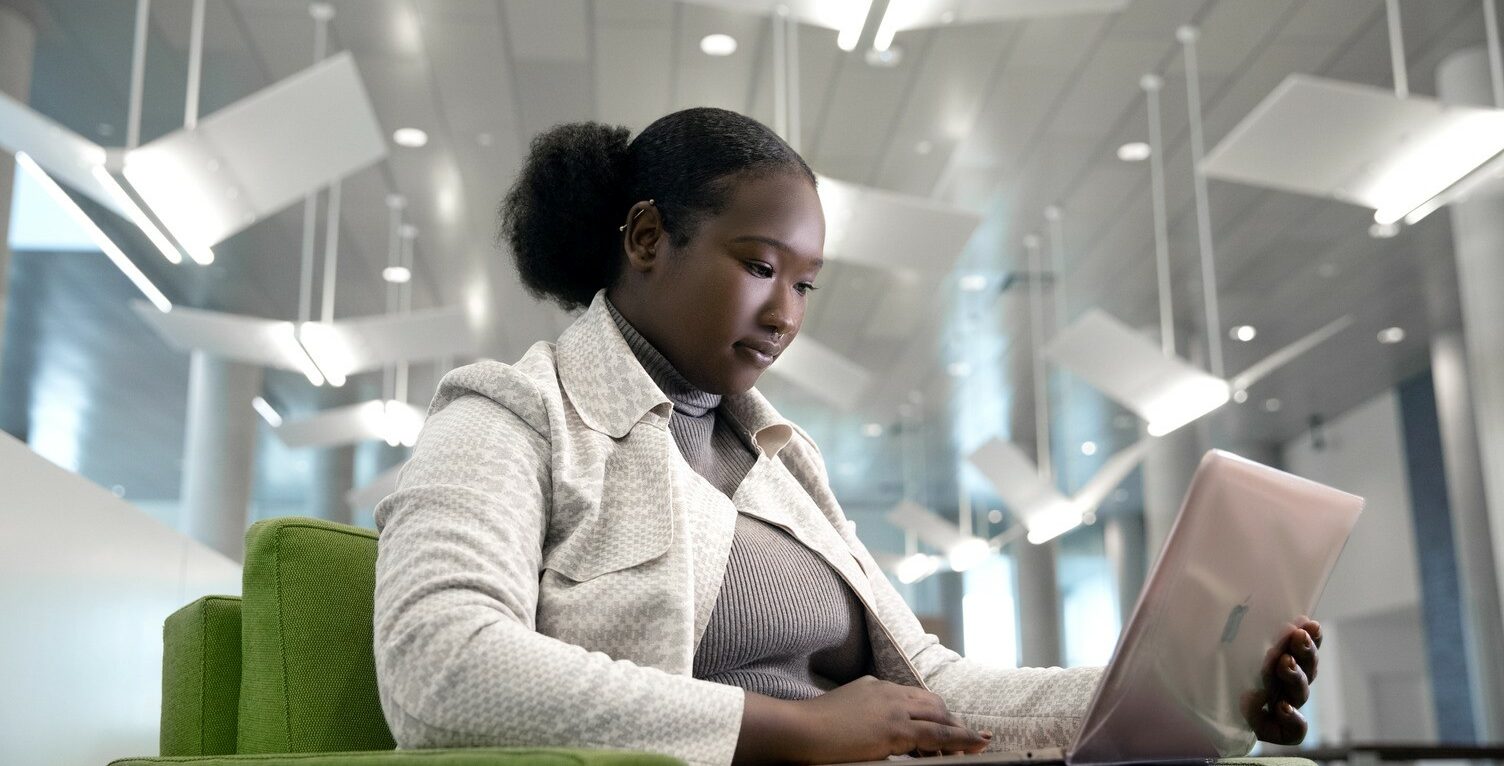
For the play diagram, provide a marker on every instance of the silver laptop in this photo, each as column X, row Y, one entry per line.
column 1248, row 555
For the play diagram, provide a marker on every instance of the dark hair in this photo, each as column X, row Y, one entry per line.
column 561, row 216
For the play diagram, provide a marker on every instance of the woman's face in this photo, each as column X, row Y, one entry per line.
column 723, row 307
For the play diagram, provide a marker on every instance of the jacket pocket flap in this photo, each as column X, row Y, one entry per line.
column 633, row 522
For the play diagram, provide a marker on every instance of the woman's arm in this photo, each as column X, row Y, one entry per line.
column 458, row 660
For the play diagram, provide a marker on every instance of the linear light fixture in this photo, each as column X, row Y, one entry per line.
column 102, row 240
column 138, row 216
column 1402, row 157
column 387, row 420
column 1164, row 390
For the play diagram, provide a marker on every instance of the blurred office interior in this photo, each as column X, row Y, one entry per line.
column 245, row 238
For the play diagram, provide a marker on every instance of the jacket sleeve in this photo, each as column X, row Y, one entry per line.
column 1024, row 708
column 458, row 660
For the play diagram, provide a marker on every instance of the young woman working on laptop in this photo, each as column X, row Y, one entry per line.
column 617, row 542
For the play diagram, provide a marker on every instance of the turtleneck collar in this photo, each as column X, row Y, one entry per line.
column 687, row 399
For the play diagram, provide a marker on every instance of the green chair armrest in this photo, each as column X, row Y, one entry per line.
column 201, row 677
column 477, row 756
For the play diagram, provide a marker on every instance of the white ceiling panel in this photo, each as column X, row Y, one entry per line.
column 548, row 30
column 720, row 81
column 942, row 106
column 633, row 72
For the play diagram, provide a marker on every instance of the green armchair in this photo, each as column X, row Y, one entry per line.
column 285, row 674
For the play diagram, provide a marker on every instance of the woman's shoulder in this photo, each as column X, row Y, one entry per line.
column 524, row 388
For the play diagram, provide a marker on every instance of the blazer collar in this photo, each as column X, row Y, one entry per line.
column 612, row 392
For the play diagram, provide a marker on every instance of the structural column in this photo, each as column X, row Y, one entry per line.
column 1038, row 604
column 1123, row 539
column 1476, row 364
column 333, row 468
column 219, row 449
column 17, row 46
column 1167, row 473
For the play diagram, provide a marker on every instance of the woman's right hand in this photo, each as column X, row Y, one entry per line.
column 865, row 720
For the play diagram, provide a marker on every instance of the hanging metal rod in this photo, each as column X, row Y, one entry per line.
column 1152, row 85
column 1187, row 36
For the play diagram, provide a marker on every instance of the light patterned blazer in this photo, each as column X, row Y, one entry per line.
column 549, row 562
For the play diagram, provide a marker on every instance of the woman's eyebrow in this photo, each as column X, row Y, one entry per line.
column 774, row 243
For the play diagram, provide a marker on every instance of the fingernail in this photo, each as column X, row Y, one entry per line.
column 985, row 734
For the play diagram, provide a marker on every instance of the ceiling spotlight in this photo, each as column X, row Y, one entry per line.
column 958, row 369
column 1272, row 405
column 411, row 138
column 396, row 274
column 1243, row 332
column 1384, row 230
column 1134, row 151
column 995, row 516
column 1088, row 448
column 718, row 45
column 872, row 430
column 1391, row 335
column 923, row 147
column 1240, row 396
column 974, row 283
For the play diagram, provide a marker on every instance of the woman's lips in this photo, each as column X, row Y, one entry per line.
column 756, row 356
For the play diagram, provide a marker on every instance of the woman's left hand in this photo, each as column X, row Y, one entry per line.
column 1274, row 711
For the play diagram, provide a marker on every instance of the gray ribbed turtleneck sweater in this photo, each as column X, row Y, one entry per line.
column 785, row 624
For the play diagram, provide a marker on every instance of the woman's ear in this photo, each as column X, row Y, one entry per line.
column 642, row 237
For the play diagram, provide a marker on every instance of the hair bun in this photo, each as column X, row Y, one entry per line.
column 560, row 217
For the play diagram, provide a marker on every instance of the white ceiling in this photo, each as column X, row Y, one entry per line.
column 1015, row 116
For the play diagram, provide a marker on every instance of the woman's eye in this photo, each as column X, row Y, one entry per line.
column 760, row 269
column 805, row 288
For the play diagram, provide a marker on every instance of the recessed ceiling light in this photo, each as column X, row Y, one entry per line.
column 1088, row 448
column 947, row 17
column 718, row 45
column 1391, row 335
column 974, row 283
column 1243, row 332
column 1240, row 396
column 1272, row 404
column 411, row 138
column 958, row 369
column 484, row 139
column 923, row 147
column 872, row 429
column 995, row 516
column 396, row 274
column 1134, row 151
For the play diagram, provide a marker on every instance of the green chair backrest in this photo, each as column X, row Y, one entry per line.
column 201, row 677
column 308, row 675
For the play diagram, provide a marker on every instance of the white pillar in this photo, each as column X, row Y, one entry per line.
column 1038, row 604
column 1478, row 522
column 219, row 449
column 1168, row 468
column 17, row 45
column 332, row 477
column 1123, row 540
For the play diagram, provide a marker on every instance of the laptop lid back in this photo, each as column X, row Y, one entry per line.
column 1248, row 555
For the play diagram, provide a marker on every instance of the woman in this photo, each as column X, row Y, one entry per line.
column 617, row 541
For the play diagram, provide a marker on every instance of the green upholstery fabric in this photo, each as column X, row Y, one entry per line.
column 481, row 756
column 308, row 675
column 201, row 677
